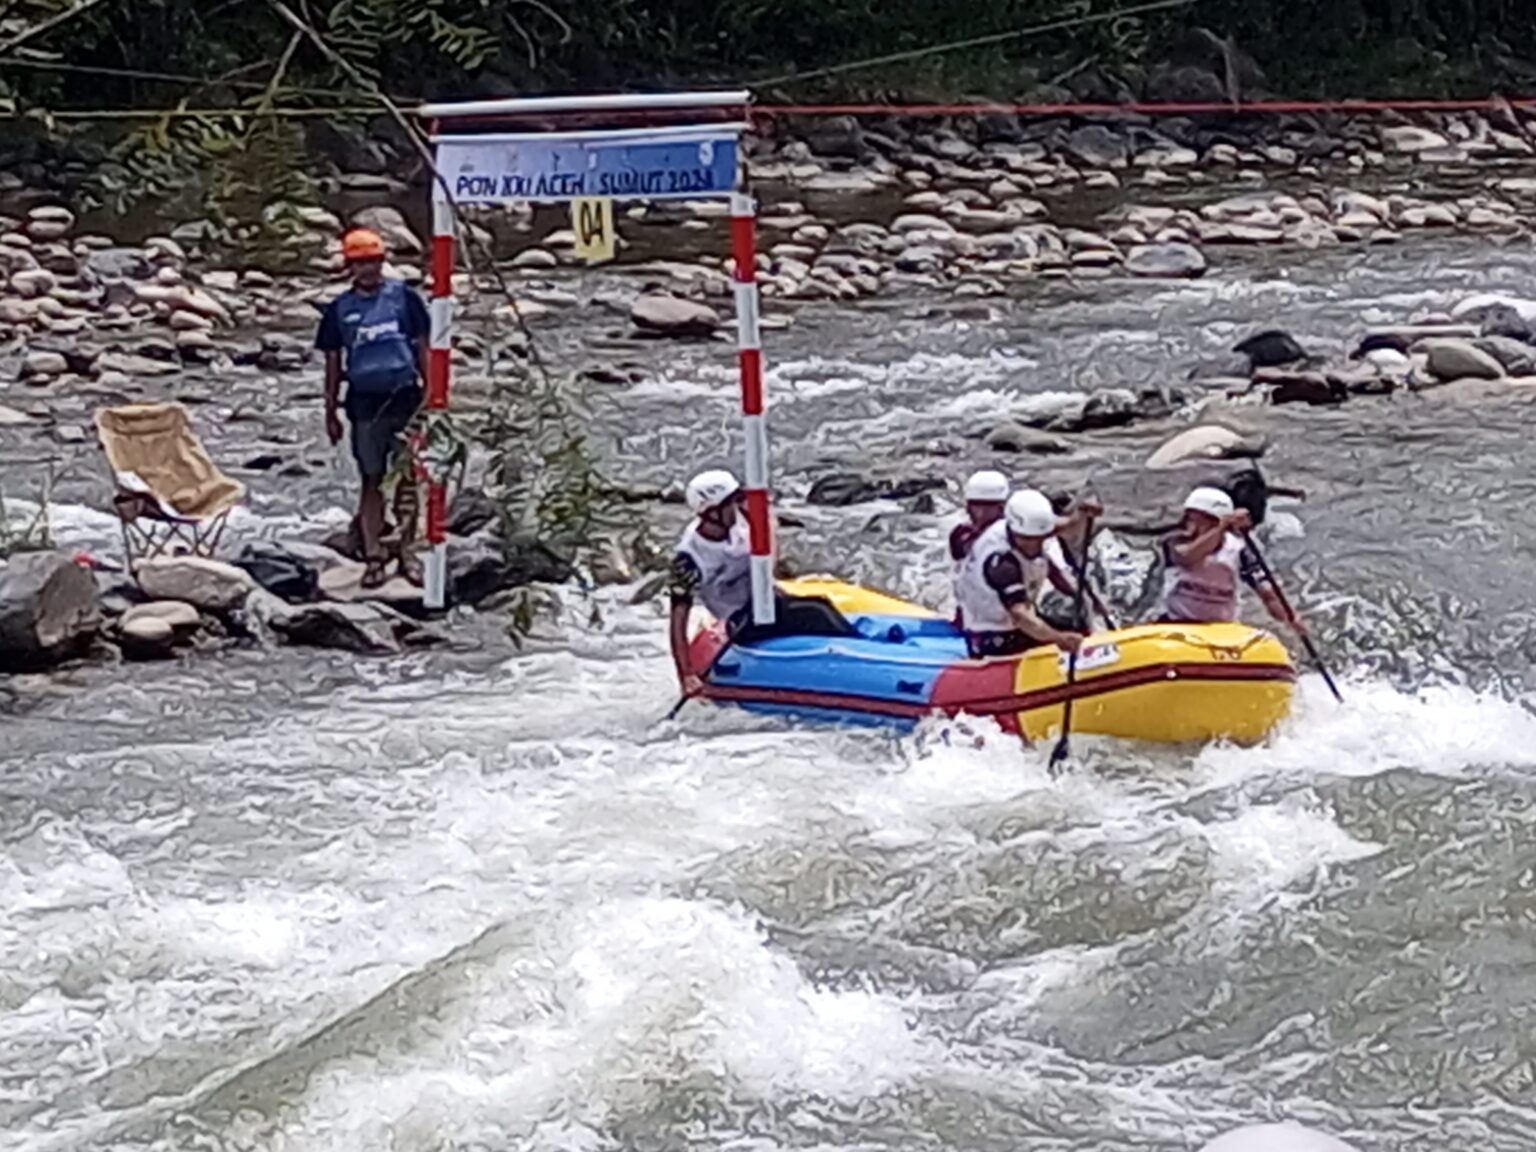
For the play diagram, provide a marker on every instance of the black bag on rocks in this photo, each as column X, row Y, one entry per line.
column 280, row 572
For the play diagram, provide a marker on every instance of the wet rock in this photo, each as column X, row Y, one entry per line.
column 471, row 511
column 206, row 584
column 10, row 418
column 182, row 618
column 17, row 312
column 673, row 317
column 146, row 638
column 1097, row 146
column 1408, row 139
column 837, row 136
column 1167, row 260
column 1296, row 387
column 366, row 629
column 1271, row 348
column 49, row 610
column 1207, row 442
column 1517, row 357
column 535, row 259
column 276, row 568
column 482, row 565
column 49, row 222
column 119, row 264
column 1451, row 359
column 43, row 366
column 1503, row 321
column 1014, row 437
column 167, row 250
column 920, row 259
column 31, row 283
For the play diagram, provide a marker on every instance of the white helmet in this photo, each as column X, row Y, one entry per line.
column 711, row 489
column 986, row 487
column 1029, row 513
column 1211, row 501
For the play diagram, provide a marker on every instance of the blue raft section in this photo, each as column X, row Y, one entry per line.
column 895, row 661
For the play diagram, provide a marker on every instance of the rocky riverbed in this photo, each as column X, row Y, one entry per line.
column 966, row 214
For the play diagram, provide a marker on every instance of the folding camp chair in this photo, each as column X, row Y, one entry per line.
column 170, row 496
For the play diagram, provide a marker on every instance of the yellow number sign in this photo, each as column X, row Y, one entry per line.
column 592, row 221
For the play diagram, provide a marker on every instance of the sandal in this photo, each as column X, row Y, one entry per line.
column 375, row 573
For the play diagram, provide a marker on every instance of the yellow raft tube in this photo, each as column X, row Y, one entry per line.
column 1168, row 683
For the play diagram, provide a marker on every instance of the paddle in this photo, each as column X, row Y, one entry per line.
column 1306, row 640
column 1063, row 747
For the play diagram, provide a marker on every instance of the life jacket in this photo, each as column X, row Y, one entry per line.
column 980, row 606
column 725, row 569
column 1206, row 592
column 380, row 356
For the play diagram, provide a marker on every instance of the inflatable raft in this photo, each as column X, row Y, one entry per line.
column 1170, row 683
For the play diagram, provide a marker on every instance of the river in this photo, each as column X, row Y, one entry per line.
column 488, row 900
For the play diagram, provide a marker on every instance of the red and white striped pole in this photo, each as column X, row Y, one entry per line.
column 439, row 364
column 749, row 352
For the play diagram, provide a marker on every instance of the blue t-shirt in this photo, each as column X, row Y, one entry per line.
column 376, row 334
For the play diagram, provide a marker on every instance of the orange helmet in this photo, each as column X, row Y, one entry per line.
column 362, row 244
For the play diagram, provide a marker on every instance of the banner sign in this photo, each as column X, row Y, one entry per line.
column 553, row 169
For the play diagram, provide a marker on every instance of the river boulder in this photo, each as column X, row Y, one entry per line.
column 181, row 617
column 1451, row 359
column 1271, row 349
column 367, row 629
column 146, row 638
column 49, row 610
column 206, row 584
column 1165, row 260
column 672, row 316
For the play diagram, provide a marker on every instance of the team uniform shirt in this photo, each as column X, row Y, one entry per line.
column 994, row 578
column 377, row 334
column 1207, row 592
column 718, row 573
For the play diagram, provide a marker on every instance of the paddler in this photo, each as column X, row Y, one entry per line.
column 986, row 492
column 1207, row 558
column 1000, row 580
column 713, row 562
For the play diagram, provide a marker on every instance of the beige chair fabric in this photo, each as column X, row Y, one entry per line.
column 170, row 494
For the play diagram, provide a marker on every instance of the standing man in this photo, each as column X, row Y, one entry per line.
column 376, row 335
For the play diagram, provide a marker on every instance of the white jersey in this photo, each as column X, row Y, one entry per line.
column 725, row 569
column 1206, row 592
column 980, row 606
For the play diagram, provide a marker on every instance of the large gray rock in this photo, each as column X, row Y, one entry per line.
column 146, row 638
column 1208, row 442
column 119, row 264
column 1517, row 357
column 210, row 585
column 49, row 610
column 482, row 565
column 1451, row 359
column 1013, row 437
column 1096, row 146
column 178, row 615
column 366, row 629
column 1181, row 260
column 671, row 316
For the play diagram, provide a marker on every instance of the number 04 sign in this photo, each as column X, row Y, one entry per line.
column 592, row 222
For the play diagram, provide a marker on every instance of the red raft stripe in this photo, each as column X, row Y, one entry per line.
column 1004, row 706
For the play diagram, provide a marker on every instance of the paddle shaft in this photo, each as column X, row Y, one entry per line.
column 1063, row 746
column 1290, row 613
